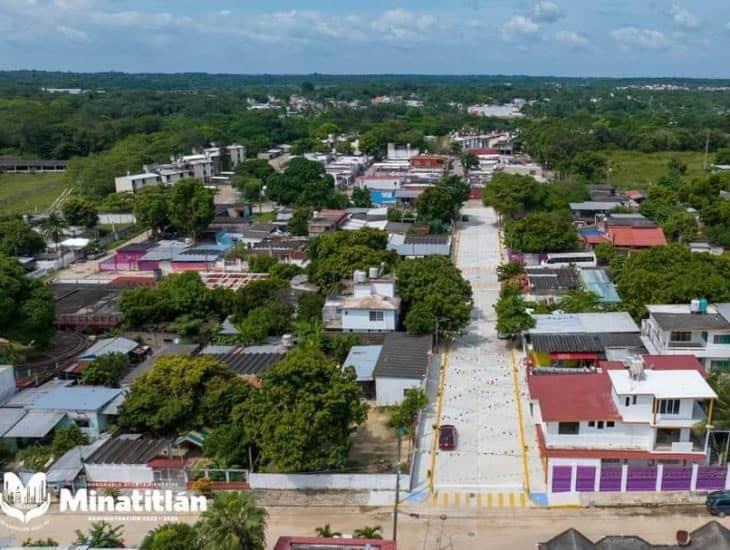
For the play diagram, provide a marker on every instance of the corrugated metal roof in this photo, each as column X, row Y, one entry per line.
column 36, row 424
column 76, row 398
column 26, row 398
column 147, row 364
column 637, row 237
column 363, row 359
column 583, row 343
column 128, row 451
column 69, row 466
column 9, row 418
column 691, row 321
column 250, row 363
column 403, row 356
column 572, row 323
column 110, row 345
column 597, row 281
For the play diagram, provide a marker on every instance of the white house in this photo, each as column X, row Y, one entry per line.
column 131, row 183
column 366, row 304
column 700, row 329
column 402, row 365
column 621, row 418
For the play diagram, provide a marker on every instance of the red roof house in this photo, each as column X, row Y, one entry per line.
column 636, row 237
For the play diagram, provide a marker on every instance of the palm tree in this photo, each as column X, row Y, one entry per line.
column 52, row 228
column 234, row 522
column 369, row 532
column 101, row 535
column 326, row 532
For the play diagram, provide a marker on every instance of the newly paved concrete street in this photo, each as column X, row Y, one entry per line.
column 479, row 396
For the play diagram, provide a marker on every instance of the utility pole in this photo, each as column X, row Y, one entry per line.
column 707, row 148
column 397, row 487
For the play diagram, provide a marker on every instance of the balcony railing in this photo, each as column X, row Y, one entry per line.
column 693, row 345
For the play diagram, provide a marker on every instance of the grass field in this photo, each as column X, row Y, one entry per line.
column 633, row 169
column 21, row 193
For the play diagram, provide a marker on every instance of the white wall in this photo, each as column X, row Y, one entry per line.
column 385, row 482
column 621, row 436
column 389, row 391
column 119, row 473
column 359, row 320
column 7, row 382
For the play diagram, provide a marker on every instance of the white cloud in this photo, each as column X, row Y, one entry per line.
column 629, row 38
column 74, row 35
column 684, row 18
column 404, row 26
column 571, row 38
column 519, row 26
column 546, row 11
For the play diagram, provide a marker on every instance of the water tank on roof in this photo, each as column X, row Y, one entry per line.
column 373, row 272
column 694, row 306
column 359, row 277
column 703, row 305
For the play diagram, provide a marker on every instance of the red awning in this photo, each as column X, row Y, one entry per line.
column 574, row 356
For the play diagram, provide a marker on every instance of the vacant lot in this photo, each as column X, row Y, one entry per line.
column 21, row 193
column 375, row 445
column 633, row 169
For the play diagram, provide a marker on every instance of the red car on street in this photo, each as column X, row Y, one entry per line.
column 447, row 437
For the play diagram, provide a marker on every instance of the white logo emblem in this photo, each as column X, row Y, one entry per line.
column 24, row 502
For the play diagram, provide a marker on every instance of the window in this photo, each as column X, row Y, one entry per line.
column 376, row 316
column 600, row 424
column 633, row 400
column 669, row 406
column 568, row 428
column 681, row 336
column 610, row 424
column 723, row 365
column 721, row 339
column 591, row 424
column 628, row 401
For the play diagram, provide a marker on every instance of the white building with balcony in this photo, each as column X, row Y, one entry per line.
column 619, row 419
column 699, row 329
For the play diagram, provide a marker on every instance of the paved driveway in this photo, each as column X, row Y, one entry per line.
column 479, row 391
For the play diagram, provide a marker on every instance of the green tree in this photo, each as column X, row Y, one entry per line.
column 468, row 161
column 298, row 224
column 605, row 252
column 309, row 306
column 590, row 165
column 66, row 438
column 434, row 295
column 182, row 393
column 191, row 207
column 719, row 381
column 371, row 532
column 541, row 232
column 326, row 532
column 151, row 209
column 106, row 370
column 79, row 211
column 40, row 543
column 512, row 316
column 271, row 319
column 513, row 195
column 373, row 143
column 681, row 226
column 27, row 308
column 722, row 156
column 403, row 416
column 233, row 522
column 171, row 536
column 284, row 271
column 52, row 228
column 259, row 169
column 17, row 238
column 101, row 535
column 361, row 197
column 579, row 301
column 509, row 270
column 304, row 413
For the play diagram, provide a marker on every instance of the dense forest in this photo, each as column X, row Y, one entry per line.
column 119, row 121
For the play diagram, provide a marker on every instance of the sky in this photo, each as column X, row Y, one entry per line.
column 534, row 37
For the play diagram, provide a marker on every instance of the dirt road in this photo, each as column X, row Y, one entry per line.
column 509, row 530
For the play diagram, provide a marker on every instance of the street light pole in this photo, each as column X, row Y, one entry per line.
column 397, row 487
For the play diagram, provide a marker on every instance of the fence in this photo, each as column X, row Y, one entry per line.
column 583, row 478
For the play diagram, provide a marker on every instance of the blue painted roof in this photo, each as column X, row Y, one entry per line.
column 597, row 281
column 76, row 398
column 363, row 358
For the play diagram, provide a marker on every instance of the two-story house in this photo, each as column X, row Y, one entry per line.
column 698, row 328
column 624, row 427
column 367, row 303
